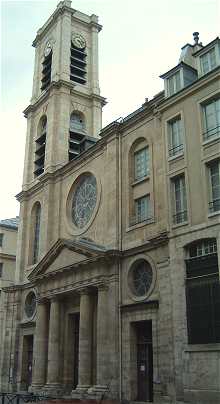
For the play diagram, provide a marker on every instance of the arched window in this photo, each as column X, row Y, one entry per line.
column 46, row 67
column 202, row 292
column 40, row 146
column 77, row 122
column 77, row 142
column 36, row 231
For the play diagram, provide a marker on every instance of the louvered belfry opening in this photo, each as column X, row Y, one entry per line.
column 46, row 71
column 78, row 140
column 78, row 65
column 40, row 145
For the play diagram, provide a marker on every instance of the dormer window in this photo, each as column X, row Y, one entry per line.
column 208, row 61
column 179, row 77
column 208, row 58
column 174, row 83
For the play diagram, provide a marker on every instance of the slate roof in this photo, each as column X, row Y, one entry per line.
column 10, row 223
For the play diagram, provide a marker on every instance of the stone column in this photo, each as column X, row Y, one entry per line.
column 85, row 341
column 40, row 347
column 53, row 345
column 102, row 338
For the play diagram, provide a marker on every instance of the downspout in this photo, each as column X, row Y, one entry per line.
column 119, row 262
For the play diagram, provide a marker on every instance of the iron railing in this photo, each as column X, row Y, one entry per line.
column 173, row 151
column 213, row 132
column 21, row 398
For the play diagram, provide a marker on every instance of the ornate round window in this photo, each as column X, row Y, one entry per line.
column 84, row 200
column 30, row 304
column 141, row 278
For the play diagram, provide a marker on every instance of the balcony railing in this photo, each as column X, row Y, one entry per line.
column 214, row 206
column 180, row 217
column 213, row 132
column 173, row 151
column 140, row 219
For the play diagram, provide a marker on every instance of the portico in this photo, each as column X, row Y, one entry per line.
column 66, row 359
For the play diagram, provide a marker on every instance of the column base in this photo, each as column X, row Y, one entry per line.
column 80, row 391
column 36, row 388
column 53, row 389
column 98, row 391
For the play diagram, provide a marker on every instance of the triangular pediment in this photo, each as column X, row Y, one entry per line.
column 65, row 254
column 65, row 258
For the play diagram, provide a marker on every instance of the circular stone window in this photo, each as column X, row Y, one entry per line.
column 30, row 304
column 84, row 200
column 141, row 278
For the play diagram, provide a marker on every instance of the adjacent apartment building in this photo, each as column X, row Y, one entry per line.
column 8, row 244
column 117, row 277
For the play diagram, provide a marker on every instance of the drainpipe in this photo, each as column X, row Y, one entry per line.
column 119, row 262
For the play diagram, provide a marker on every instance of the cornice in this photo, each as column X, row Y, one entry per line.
column 64, row 170
column 58, row 84
column 6, row 256
column 154, row 242
column 51, row 20
column 153, row 304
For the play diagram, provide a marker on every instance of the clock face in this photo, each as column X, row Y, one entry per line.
column 48, row 49
column 84, row 200
column 79, row 42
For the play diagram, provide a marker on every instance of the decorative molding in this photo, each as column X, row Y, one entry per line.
column 149, row 304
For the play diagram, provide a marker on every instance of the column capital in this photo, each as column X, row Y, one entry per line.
column 103, row 286
column 41, row 300
column 84, row 291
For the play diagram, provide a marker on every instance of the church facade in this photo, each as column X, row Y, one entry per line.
column 117, row 276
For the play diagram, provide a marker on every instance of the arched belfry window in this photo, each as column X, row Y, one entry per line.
column 36, row 231
column 78, row 142
column 40, row 145
column 202, row 292
column 77, row 122
column 46, row 67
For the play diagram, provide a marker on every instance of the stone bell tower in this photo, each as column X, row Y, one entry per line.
column 65, row 113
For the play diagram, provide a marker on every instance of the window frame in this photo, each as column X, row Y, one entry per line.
column 1, row 269
column 173, row 78
column 179, row 216
column 170, row 123
column 146, row 170
column 1, row 239
column 216, row 135
column 212, row 200
column 208, row 55
column 145, row 215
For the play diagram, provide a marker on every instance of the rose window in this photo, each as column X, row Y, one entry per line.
column 84, row 200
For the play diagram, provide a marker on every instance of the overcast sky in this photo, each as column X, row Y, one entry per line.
column 140, row 40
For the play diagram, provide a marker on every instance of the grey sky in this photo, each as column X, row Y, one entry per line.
column 140, row 40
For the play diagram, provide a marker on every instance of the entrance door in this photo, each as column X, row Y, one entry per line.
column 144, row 361
column 76, row 350
column 27, row 361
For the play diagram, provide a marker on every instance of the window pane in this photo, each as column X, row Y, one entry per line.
column 212, row 58
column 205, row 63
column 141, row 163
column 175, row 137
column 142, row 208
column 215, row 181
column 177, row 79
